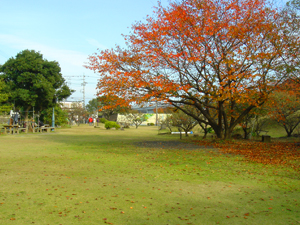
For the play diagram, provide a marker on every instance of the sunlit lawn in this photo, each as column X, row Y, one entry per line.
column 85, row 175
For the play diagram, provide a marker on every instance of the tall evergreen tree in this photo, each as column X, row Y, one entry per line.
column 34, row 81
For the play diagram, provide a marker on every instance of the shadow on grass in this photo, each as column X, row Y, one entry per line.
column 142, row 138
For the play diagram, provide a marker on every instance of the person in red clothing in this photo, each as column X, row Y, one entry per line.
column 91, row 121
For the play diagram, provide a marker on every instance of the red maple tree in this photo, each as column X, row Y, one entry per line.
column 212, row 55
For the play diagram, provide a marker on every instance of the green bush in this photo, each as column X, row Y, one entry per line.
column 103, row 120
column 111, row 124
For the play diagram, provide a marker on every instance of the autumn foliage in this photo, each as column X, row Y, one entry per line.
column 212, row 55
column 284, row 106
column 276, row 153
column 111, row 104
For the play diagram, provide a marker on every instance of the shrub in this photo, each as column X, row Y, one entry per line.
column 111, row 124
column 103, row 120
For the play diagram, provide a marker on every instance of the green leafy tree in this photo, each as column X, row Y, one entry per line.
column 3, row 97
column 61, row 116
column 33, row 81
column 135, row 117
column 253, row 120
column 77, row 112
column 93, row 105
column 183, row 121
column 284, row 108
column 167, row 122
column 261, row 123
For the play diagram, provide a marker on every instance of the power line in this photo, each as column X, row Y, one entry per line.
column 83, row 84
column 79, row 76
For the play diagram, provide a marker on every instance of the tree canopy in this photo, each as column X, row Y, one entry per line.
column 33, row 81
column 284, row 106
column 3, row 96
column 103, row 104
column 93, row 106
column 212, row 55
column 295, row 4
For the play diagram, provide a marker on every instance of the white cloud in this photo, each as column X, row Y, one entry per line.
column 69, row 60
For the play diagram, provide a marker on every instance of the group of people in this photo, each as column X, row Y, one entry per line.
column 93, row 121
column 90, row 121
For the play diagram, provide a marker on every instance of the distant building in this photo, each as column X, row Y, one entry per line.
column 75, row 110
column 149, row 112
column 151, row 107
column 68, row 104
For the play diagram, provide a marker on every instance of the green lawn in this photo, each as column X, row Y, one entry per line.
column 85, row 175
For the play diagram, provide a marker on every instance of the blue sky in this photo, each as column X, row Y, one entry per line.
column 68, row 31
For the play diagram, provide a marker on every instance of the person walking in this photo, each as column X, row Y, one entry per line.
column 91, row 121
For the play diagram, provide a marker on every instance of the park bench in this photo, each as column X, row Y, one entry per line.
column 23, row 129
column 44, row 128
column 47, row 129
column 35, row 129
column 11, row 129
column 41, row 129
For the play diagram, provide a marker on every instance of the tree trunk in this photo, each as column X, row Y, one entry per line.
column 186, row 133
column 246, row 132
column 288, row 131
column 204, row 128
column 179, row 129
column 170, row 128
column 205, row 132
column 218, row 132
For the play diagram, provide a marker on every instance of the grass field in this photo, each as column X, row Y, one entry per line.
column 85, row 175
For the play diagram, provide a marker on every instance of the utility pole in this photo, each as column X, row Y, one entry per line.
column 83, row 90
